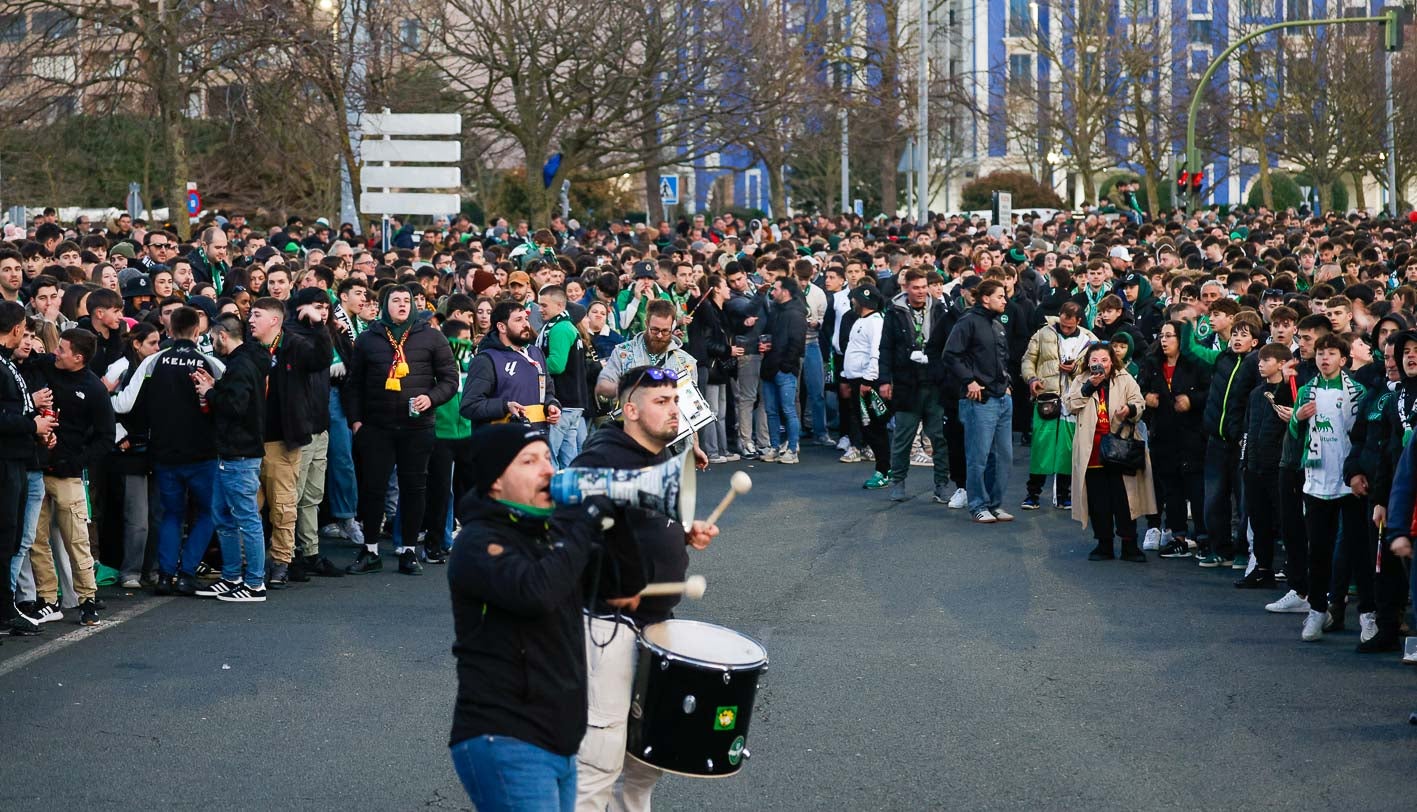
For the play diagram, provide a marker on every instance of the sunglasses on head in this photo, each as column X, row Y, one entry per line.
column 656, row 374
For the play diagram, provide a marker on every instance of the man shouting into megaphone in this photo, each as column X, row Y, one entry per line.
column 650, row 401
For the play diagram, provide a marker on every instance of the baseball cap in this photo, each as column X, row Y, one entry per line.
column 1120, row 252
column 518, row 278
column 644, row 270
column 137, row 286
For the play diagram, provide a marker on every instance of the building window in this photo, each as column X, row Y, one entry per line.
column 1020, row 73
column 54, row 24
column 1252, row 9
column 1199, row 30
column 1020, row 18
column 12, row 27
column 1200, row 60
column 410, row 35
column 1296, row 9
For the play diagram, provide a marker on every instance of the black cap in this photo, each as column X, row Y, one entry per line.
column 137, row 286
column 1131, row 279
column 494, row 447
column 644, row 269
column 206, row 304
column 867, row 296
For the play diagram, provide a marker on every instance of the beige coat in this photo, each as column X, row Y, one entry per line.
column 1042, row 359
column 1141, row 495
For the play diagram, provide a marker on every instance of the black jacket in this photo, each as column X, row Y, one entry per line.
column 1174, row 436
column 788, row 326
column 515, row 582
column 898, row 341
column 237, row 402
column 659, row 540
column 431, row 371
column 739, row 308
column 481, row 402
column 1123, row 324
column 86, row 426
column 17, row 439
column 298, row 401
column 1264, row 433
column 708, row 343
column 181, row 430
column 1021, row 319
column 109, row 349
column 978, row 351
column 1231, row 382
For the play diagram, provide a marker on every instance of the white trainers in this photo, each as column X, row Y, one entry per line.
column 960, row 499
column 920, row 459
column 1152, row 539
column 334, row 531
column 843, row 443
column 851, row 455
column 869, row 454
column 768, row 455
column 1290, row 604
column 1313, row 626
column 353, row 530
column 788, row 458
column 1368, row 625
column 984, row 517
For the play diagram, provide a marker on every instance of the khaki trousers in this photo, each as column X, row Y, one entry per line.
column 314, row 459
column 280, row 474
column 66, row 503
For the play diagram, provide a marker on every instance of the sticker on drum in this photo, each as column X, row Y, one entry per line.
column 735, row 751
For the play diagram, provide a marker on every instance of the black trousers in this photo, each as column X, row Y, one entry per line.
column 1390, row 582
column 1294, row 530
column 1262, row 506
column 875, row 434
column 1063, row 485
column 381, row 449
column 1323, row 517
column 449, row 477
column 14, row 490
column 1177, row 490
column 954, row 437
column 1107, row 507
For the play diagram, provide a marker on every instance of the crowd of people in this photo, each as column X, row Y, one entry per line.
column 197, row 416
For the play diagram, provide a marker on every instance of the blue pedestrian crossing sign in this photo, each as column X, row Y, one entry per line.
column 669, row 190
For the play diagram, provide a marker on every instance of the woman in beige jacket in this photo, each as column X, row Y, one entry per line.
column 1107, row 399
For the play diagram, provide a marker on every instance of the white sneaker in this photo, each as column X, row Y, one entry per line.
column 843, row 443
column 984, row 517
column 920, row 459
column 869, row 454
column 768, row 455
column 1290, row 604
column 1152, row 540
column 1368, row 624
column 1166, row 536
column 353, row 530
column 788, row 458
column 1002, row 515
column 851, row 455
column 334, row 531
column 1313, row 626
column 132, row 582
column 960, row 499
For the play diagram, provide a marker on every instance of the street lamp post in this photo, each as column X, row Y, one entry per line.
column 922, row 123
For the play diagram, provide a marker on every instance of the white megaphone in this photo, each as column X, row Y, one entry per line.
column 667, row 488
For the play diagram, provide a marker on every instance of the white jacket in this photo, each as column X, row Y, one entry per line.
column 863, row 350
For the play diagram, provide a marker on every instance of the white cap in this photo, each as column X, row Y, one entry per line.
column 1120, row 252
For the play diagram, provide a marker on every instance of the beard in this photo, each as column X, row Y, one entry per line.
column 521, row 339
column 656, row 346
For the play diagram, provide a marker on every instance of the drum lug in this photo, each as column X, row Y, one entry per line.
column 663, row 665
column 648, row 750
column 727, row 677
column 746, row 754
column 709, row 761
column 690, row 703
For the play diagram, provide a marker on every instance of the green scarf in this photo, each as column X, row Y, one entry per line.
column 518, row 507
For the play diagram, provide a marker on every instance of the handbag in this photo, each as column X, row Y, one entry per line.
column 1123, row 453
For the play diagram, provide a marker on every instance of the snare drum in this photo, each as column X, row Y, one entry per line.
column 693, row 698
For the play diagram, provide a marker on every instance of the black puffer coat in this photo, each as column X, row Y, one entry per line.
column 431, row 371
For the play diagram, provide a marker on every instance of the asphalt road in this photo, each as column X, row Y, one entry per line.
column 917, row 662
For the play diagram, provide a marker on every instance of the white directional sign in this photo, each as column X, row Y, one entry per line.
column 411, row 177
column 374, row 150
column 409, row 203
column 376, row 124
column 404, row 189
column 669, row 190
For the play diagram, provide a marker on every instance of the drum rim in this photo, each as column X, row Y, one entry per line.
column 658, row 649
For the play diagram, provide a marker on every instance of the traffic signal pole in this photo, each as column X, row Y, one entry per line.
column 1391, row 20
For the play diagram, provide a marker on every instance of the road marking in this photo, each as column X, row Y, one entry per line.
column 81, row 633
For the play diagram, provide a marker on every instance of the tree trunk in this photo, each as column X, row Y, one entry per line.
column 1153, row 192
column 654, row 207
column 890, row 195
column 1266, row 181
column 1360, row 200
column 1325, row 187
column 538, row 198
column 777, row 193
column 1089, row 186
column 175, row 141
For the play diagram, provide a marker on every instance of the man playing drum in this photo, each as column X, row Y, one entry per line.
column 650, row 400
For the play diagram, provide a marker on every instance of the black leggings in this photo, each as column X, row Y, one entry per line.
column 1107, row 506
column 1262, row 506
column 1323, row 518
column 1294, row 530
column 379, row 450
column 14, row 493
column 1174, row 491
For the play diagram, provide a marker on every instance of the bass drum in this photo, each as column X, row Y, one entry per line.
column 694, row 688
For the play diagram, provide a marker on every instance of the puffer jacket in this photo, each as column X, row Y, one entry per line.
column 431, row 372
column 1043, row 359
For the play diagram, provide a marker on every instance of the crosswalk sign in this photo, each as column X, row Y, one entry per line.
column 669, row 190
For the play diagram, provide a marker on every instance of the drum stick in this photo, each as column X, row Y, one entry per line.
column 692, row 587
column 740, row 483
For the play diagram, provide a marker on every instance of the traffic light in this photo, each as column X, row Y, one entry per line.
column 1392, row 28
column 1182, row 180
column 1196, row 178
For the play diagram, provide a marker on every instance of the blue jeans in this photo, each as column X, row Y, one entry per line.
column 988, row 450
column 34, row 498
column 178, row 485
column 813, row 380
column 341, row 491
column 567, row 436
column 780, row 395
column 238, row 521
column 502, row 774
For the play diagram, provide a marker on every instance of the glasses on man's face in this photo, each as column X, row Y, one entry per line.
column 660, row 331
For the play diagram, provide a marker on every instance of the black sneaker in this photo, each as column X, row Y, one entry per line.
column 206, row 572
column 1030, row 503
column 408, row 563
column 1176, row 548
column 244, row 594
column 165, row 584
column 278, row 576
column 21, row 626
column 365, row 562
column 1257, row 579
column 321, row 567
column 186, row 586
column 88, row 613
column 217, row 588
column 296, row 571
column 435, row 555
